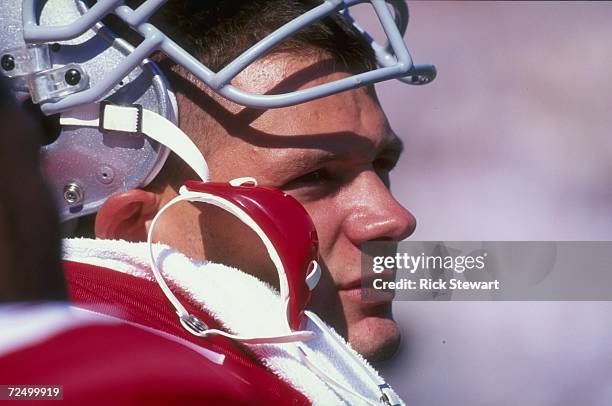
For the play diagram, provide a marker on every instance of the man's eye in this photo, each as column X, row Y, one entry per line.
column 310, row 179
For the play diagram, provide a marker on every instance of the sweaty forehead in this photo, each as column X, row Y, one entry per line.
column 356, row 110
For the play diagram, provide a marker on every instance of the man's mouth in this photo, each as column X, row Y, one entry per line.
column 362, row 290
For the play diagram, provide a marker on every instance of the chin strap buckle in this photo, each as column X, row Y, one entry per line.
column 384, row 398
column 193, row 324
column 120, row 118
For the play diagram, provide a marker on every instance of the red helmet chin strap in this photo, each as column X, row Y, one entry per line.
column 288, row 227
column 288, row 234
column 291, row 241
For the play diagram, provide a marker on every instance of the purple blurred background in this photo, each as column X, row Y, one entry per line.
column 510, row 142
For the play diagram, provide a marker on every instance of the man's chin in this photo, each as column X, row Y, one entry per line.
column 376, row 338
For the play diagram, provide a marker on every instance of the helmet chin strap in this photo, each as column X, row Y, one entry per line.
column 136, row 120
column 197, row 327
column 189, row 321
column 386, row 396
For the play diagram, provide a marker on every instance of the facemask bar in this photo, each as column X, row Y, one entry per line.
column 155, row 40
column 385, row 56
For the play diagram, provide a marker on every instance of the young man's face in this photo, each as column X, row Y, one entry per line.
column 334, row 156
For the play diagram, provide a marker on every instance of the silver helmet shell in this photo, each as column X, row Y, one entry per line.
column 84, row 165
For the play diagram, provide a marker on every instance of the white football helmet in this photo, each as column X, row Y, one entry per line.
column 114, row 112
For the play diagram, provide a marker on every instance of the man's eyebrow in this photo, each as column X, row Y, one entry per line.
column 313, row 159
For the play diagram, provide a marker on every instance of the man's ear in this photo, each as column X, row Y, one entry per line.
column 126, row 215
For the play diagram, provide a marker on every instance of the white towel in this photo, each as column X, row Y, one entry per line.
column 246, row 306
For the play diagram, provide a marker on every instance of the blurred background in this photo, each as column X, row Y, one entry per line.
column 512, row 141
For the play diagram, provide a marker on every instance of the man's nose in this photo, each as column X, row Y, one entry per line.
column 375, row 214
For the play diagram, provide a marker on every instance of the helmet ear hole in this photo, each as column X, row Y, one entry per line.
column 50, row 125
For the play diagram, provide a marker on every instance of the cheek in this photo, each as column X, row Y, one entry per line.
column 328, row 217
column 230, row 242
column 237, row 159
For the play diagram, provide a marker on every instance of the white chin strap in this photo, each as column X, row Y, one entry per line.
column 386, row 397
column 136, row 120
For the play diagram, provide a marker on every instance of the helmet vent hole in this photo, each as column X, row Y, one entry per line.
column 50, row 125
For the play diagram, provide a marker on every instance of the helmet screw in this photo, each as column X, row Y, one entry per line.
column 72, row 77
column 55, row 47
column 105, row 175
column 73, row 193
column 7, row 62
